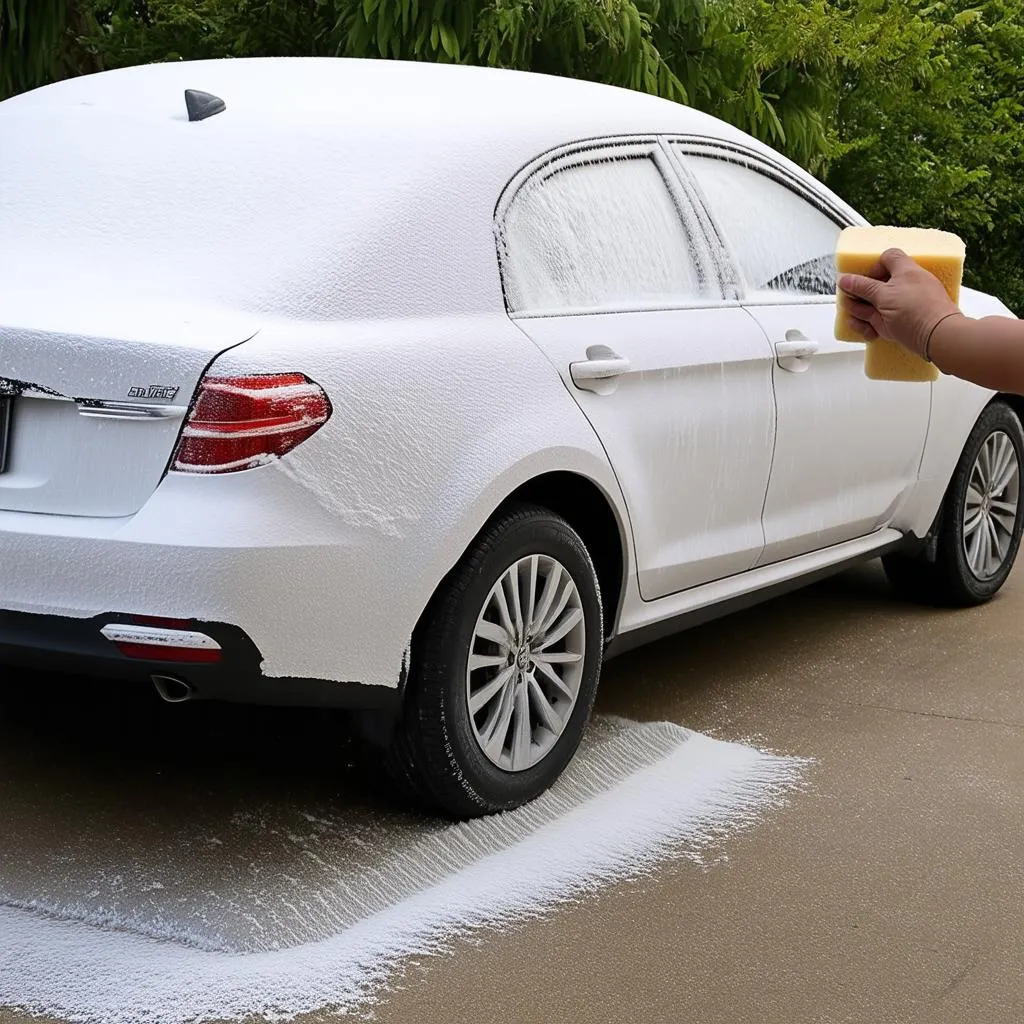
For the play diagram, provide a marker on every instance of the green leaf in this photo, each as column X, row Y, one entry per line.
column 971, row 16
column 775, row 125
column 449, row 41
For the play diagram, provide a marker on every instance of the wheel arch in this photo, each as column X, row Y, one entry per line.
column 939, row 486
column 956, row 408
column 941, row 572
column 589, row 510
column 1015, row 402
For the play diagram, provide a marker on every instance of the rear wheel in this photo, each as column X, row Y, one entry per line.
column 980, row 524
column 505, row 668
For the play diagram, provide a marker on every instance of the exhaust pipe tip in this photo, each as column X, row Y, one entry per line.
column 171, row 689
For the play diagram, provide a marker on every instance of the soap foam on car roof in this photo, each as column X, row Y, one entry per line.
column 300, row 204
column 638, row 794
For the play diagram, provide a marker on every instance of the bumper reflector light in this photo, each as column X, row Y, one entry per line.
column 154, row 643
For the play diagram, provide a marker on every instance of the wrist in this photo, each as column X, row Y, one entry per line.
column 940, row 335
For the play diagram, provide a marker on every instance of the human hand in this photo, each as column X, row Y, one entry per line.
column 898, row 300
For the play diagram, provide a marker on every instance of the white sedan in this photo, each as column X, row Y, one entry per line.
column 419, row 390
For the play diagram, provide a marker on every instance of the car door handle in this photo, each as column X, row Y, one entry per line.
column 794, row 352
column 600, row 371
column 802, row 349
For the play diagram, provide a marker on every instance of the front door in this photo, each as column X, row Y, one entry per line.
column 848, row 449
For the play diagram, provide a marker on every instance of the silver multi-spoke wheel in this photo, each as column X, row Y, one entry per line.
column 526, row 662
column 976, row 535
column 990, row 506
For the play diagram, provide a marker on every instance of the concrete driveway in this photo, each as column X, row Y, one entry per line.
column 889, row 890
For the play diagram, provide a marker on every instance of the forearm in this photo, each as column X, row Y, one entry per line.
column 988, row 352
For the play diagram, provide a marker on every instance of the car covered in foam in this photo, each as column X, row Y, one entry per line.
column 419, row 390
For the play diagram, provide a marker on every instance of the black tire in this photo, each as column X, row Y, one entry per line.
column 948, row 580
column 434, row 751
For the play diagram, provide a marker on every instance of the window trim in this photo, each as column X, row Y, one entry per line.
column 744, row 156
column 639, row 307
column 598, row 150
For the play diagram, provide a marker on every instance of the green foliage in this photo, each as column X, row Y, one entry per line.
column 943, row 145
column 30, row 39
column 768, row 67
column 911, row 109
column 606, row 40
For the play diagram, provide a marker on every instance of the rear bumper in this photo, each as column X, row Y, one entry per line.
column 77, row 646
column 313, row 596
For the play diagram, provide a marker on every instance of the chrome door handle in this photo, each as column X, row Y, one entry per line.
column 600, row 371
column 793, row 353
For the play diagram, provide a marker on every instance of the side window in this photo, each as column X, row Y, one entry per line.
column 781, row 242
column 600, row 235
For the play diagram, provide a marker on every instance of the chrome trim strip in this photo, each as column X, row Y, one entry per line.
column 131, row 411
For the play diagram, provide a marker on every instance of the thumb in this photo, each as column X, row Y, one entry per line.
column 896, row 261
column 860, row 287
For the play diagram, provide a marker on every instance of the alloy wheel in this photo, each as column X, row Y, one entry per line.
column 526, row 662
column 991, row 506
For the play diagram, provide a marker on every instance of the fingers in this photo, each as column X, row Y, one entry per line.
column 895, row 260
column 861, row 287
column 864, row 329
column 861, row 314
column 866, row 286
column 859, row 310
column 879, row 272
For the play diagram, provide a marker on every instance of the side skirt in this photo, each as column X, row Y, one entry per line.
column 711, row 601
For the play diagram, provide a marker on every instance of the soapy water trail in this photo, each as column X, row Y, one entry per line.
column 635, row 795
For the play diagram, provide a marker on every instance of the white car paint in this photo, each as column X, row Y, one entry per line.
column 689, row 432
column 338, row 220
column 327, row 557
column 823, row 494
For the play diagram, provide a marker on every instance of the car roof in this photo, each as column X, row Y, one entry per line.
column 340, row 92
column 328, row 188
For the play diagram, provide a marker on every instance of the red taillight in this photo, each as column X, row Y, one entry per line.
column 242, row 422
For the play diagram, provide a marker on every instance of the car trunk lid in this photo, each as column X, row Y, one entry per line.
column 93, row 397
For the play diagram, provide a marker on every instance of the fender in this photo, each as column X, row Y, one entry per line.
column 581, row 462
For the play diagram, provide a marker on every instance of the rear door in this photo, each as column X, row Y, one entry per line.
column 848, row 449
column 606, row 268
column 93, row 399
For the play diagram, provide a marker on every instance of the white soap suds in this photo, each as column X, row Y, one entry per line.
column 649, row 792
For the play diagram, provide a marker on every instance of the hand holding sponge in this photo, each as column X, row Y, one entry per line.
column 857, row 252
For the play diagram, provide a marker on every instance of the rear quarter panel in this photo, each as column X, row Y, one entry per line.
column 435, row 423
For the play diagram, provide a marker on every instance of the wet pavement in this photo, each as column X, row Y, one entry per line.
column 889, row 890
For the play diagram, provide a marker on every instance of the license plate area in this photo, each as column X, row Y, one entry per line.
column 6, row 407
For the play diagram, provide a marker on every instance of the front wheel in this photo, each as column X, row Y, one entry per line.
column 505, row 669
column 980, row 523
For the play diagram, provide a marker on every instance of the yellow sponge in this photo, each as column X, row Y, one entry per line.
column 886, row 360
column 858, row 250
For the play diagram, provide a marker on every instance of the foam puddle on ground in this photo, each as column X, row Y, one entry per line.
column 634, row 795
